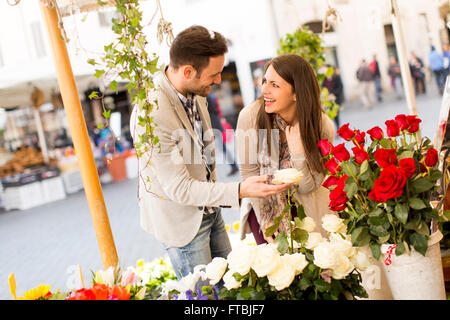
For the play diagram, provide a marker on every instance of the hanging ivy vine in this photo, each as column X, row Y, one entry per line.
column 127, row 58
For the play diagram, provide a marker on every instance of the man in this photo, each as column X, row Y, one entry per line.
column 186, row 216
column 396, row 77
column 365, row 77
column 376, row 77
column 436, row 61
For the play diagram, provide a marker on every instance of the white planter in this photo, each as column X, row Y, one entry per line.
column 415, row 277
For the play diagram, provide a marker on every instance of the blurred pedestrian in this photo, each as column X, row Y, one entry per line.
column 219, row 122
column 436, row 61
column 376, row 77
column 367, row 87
column 417, row 72
column 336, row 90
column 396, row 77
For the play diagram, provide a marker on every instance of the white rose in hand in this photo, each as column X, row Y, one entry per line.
column 308, row 224
column 290, row 175
column 343, row 246
column 241, row 258
column 333, row 224
column 215, row 269
column 283, row 275
column 266, row 259
column 326, row 256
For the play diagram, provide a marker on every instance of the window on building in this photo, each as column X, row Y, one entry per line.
column 38, row 39
column 390, row 41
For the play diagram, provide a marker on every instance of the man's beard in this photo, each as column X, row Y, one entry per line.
column 202, row 91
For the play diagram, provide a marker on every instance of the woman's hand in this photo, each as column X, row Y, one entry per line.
column 293, row 139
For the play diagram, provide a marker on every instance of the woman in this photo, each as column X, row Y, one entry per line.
column 291, row 103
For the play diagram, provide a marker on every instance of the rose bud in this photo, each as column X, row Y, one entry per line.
column 330, row 181
column 413, row 123
column 360, row 155
column 385, row 157
column 325, row 147
column 340, row 152
column 345, row 133
column 376, row 133
column 360, row 137
column 402, row 122
column 332, row 166
column 408, row 166
column 431, row 158
column 393, row 129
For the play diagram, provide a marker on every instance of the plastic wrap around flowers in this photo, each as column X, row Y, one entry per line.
column 317, row 268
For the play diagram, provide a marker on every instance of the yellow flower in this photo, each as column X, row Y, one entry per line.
column 227, row 227
column 38, row 293
column 236, row 226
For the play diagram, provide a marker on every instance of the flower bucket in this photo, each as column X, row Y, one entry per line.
column 414, row 276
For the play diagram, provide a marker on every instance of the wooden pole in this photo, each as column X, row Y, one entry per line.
column 80, row 138
column 403, row 62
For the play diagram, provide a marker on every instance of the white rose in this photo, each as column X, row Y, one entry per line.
column 360, row 260
column 297, row 261
column 241, row 258
column 343, row 269
column 333, row 224
column 343, row 247
column 313, row 240
column 308, row 224
column 283, row 275
column 290, row 175
column 266, row 259
column 215, row 269
column 229, row 281
column 326, row 256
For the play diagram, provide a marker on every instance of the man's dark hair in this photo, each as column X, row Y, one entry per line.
column 194, row 46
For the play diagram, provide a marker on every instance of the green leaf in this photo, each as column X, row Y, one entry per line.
column 304, row 283
column 100, row 126
column 435, row 174
column 283, row 244
column 364, row 167
column 405, row 154
column 400, row 249
column 360, row 236
column 376, row 250
column 420, row 243
column 416, row 203
column 378, row 231
column 113, row 85
column 321, row 285
column 93, row 95
column 421, row 185
column 301, row 212
column 91, row 61
column 98, row 73
column 376, row 212
column 106, row 114
column 300, row 235
column 386, row 143
column 401, row 212
column 351, row 189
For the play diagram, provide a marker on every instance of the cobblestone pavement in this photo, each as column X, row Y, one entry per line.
column 41, row 244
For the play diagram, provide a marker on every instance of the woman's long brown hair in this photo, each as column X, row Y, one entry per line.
column 301, row 76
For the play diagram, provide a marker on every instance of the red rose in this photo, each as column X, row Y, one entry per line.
column 332, row 166
column 389, row 185
column 385, row 157
column 431, row 158
column 340, row 152
column 408, row 166
column 402, row 122
column 393, row 129
column 330, row 181
column 360, row 137
column 413, row 122
column 338, row 199
column 360, row 155
column 345, row 133
column 376, row 133
column 325, row 146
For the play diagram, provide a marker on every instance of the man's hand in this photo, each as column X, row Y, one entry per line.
column 256, row 187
